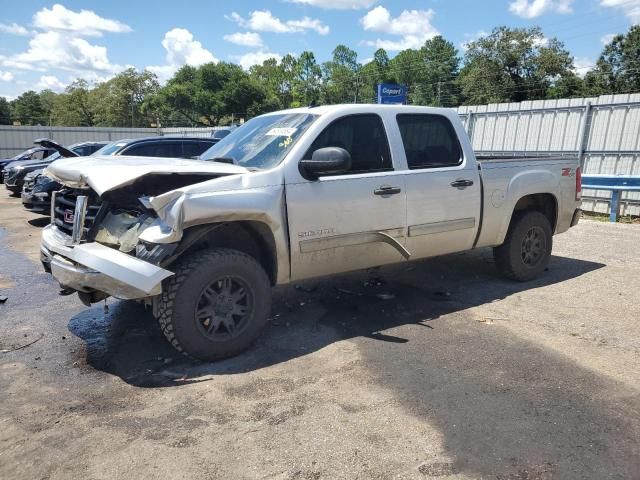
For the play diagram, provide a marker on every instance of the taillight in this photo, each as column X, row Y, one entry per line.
column 578, row 183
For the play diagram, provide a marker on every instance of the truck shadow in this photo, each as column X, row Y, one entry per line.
column 125, row 340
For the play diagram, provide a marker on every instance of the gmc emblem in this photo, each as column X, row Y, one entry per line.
column 68, row 216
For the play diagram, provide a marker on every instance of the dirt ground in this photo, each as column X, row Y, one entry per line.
column 452, row 373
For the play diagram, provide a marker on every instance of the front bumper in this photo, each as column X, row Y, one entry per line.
column 90, row 267
column 39, row 202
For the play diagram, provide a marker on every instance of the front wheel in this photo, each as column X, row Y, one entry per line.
column 527, row 247
column 215, row 304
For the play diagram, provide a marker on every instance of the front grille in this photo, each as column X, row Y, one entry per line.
column 11, row 176
column 65, row 206
column 28, row 185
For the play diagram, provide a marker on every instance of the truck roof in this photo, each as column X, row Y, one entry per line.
column 347, row 108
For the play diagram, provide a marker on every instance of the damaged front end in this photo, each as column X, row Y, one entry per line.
column 93, row 243
column 92, row 247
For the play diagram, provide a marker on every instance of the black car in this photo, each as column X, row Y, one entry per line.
column 36, row 195
column 168, row 147
column 15, row 172
column 35, row 153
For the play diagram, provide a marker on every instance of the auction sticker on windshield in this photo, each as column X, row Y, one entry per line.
column 281, row 132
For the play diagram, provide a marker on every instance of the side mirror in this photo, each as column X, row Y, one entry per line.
column 326, row 161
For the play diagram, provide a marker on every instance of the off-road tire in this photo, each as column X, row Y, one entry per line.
column 509, row 256
column 182, row 292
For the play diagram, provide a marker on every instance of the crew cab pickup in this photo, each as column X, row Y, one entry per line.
column 293, row 195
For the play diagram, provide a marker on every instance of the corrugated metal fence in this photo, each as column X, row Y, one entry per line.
column 604, row 131
column 14, row 140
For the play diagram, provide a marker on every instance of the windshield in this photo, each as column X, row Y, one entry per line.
column 25, row 155
column 262, row 142
column 109, row 148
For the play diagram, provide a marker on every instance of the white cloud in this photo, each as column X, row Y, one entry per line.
column 6, row 76
column 50, row 82
column 605, row 39
column 582, row 66
column 337, row 4
column 306, row 23
column 181, row 49
column 84, row 22
column 264, row 21
column 60, row 50
column 14, row 29
column 413, row 26
column 247, row 39
column 472, row 37
column 255, row 58
column 631, row 8
column 535, row 8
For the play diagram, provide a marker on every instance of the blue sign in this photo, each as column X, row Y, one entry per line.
column 392, row 94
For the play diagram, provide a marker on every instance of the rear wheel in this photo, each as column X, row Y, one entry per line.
column 527, row 247
column 215, row 304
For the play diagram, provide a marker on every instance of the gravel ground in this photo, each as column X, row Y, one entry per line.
column 453, row 373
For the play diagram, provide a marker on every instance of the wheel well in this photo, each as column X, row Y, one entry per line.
column 544, row 203
column 250, row 237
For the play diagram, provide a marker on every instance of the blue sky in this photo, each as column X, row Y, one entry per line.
column 47, row 44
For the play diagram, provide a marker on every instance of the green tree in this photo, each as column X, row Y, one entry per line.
column 75, row 106
column 372, row 73
column 5, row 112
column 618, row 68
column 513, row 65
column 307, row 80
column 119, row 101
column 28, row 109
column 211, row 93
column 439, row 84
column 408, row 68
column 341, row 83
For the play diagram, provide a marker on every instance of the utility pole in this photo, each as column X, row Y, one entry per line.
column 439, row 89
column 132, row 109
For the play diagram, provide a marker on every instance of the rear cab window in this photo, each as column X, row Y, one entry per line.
column 429, row 141
column 363, row 136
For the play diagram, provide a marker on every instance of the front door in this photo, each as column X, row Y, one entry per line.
column 353, row 220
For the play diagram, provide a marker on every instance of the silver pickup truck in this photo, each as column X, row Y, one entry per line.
column 293, row 195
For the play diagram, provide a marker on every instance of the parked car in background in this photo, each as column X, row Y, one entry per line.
column 15, row 172
column 168, row 147
column 37, row 189
column 220, row 133
column 35, row 153
column 309, row 192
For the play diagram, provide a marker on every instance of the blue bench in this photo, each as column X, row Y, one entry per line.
column 614, row 183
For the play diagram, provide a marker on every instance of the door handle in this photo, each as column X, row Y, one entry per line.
column 386, row 190
column 462, row 183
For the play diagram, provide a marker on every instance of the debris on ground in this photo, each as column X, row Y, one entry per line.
column 442, row 295
column 385, row 296
column 7, row 350
column 345, row 291
column 303, row 288
column 3, row 298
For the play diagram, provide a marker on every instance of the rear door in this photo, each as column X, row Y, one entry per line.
column 347, row 222
column 443, row 187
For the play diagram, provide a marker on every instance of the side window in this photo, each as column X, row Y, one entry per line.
column 155, row 149
column 38, row 155
column 429, row 141
column 193, row 148
column 363, row 136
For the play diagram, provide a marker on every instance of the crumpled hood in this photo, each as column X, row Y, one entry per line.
column 104, row 173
